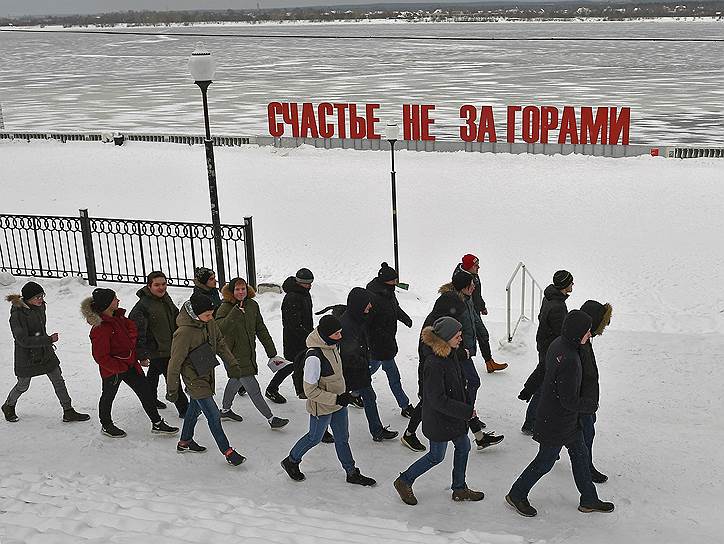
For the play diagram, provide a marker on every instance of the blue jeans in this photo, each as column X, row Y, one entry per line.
column 369, row 399
column 435, row 456
column 393, row 378
column 531, row 410
column 213, row 417
column 317, row 425
column 588, row 422
column 543, row 463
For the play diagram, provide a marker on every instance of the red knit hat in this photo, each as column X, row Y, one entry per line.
column 469, row 261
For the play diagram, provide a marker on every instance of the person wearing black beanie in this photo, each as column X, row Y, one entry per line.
column 30, row 290
column 329, row 325
column 205, row 284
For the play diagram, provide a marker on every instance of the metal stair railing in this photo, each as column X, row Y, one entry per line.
column 533, row 285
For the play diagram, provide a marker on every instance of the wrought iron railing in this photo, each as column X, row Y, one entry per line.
column 120, row 250
column 533, row 286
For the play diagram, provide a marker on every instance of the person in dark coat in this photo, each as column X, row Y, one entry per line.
column 557, row 421
column 382, row 329
column 297, row 323
column 35, row 351
column 155, row 317
column 600, row 319
column 205, row 284
column 354, row 351
column 446, row 411
column 550, row 321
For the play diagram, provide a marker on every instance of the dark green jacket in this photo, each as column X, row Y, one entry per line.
column 241, row 327
column 155, row 319
column 34, row 353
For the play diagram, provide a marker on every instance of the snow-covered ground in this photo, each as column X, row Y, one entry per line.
column 641, row 233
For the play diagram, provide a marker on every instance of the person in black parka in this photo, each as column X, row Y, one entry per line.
column 557, row 420
column 553, row 311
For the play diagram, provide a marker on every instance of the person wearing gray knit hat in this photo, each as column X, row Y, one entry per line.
column 446, row 327
column 563, row 279
column 304, row 275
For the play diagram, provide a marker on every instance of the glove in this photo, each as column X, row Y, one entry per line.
column 484, row 311
column 525, row 395
column 172, row 396
column 345, row 399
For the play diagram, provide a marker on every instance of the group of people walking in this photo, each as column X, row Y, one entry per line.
column 331, row 367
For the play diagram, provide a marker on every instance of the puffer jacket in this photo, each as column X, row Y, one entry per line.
column 34, row 351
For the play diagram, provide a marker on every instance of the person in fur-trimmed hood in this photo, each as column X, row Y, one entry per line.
column 35, row 351
column 113, row 341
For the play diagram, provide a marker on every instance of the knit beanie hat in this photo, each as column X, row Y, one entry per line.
column 469, row 261
column 562, row 279
column 102, row 299
column 203, row 274
column 387, row 273
column 461, row 279
column 446, row 327
column 200, row 303
column 304, row 275
column 30, row 290
column 328, row 325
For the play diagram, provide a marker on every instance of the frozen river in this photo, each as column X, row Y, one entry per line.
column 64, row 81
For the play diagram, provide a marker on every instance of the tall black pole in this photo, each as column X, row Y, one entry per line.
column 394, row 206
column 213, row 193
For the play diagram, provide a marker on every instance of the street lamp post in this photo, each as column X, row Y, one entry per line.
column 202, row 67
column 391, row 134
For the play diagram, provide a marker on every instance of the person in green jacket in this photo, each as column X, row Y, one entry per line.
column 241, row 323
column 198, row 330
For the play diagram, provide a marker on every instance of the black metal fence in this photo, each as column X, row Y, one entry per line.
column 120, row 250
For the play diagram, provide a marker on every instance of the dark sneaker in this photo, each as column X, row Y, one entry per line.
column 9, row 412
column 411, row 441
column 71, row 415
column 277, row 422
column 234, row 458
column 160, row 405
column 407, row 412
column 405, row 492
column 467, row 495
column 598, row 477
column 527, row 431
column 489, row 439
column 292, row 469
column 230, row 415
column 242, row 391
column 113, row 431
column 275, row 396
column 357, row 402
column 522, row 506
column 357, row 478
column 183, row 447
column 385, row 434
column 598, row 506
column 327, row 438
column 302, row 395
column 161, row 427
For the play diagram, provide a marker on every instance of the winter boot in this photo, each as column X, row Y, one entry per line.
column 598, row 477
column 71, row 415
column 277, row 422
column 492, row 366
column 113, row 431
column 522, row 506
column 327, row 438
column 597, row 506
column 467, row 494
column 242, row 391
column 407, row 412
column 234, row 458
column 357, row 402
column 356, row 477
column 161, row 427
column 385, row 434
column 411, row 441
column 488, row 439
column 230, row 415
column 405, row 492
column 160, row 405
column 275, row 396
column 190, row 445
column 292, row 469
column 9, row 412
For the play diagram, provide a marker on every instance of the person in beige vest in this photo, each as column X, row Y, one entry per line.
column 327, row 400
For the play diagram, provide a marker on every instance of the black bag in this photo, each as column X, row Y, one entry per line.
column 203, row 359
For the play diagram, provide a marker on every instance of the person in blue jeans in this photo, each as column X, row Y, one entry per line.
column 445, row 413
column 557, row 420
column 327, row 401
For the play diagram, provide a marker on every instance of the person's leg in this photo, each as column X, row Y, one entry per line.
column 252, row 388
column 433, row 457
column 393, row 378
column 20, row 387
column 298, row 375
column 192, row 415
column 578, row 452
column 156, row 369
column 484, row 342
column 340, row 428
column 415, row 419
column 460, row 461
column 108, row 393
column 213, row 418
column 587, row 426
column 529, row 422
column 182, row 402
column 140, row 387
column 232, row 387
column 279, row 377
column 369, row 398
column 56, row 378
column 539, row 467
column 317, row 426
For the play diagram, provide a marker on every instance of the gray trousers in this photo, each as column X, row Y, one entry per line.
column 56, row 378
column 252, row 389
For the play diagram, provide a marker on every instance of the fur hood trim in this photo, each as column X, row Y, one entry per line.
column 450, row 288
column 228, row 296
column 605, row 320
column 438, row 345
column 87, row 312
column 17, row 301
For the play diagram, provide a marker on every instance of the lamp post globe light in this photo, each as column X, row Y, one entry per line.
column 202, row 67
column 392, row 132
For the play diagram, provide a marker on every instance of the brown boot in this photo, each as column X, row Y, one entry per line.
column 405, row 492
column 467, row 495
column 492, row 366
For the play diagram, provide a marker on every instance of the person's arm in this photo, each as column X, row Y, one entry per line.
column 262, row 333
column 312, row 374
column 223, row 311
column 233, row 369
column 179, row 353
column 403, row 318
column 436, row 395
column 568, row 379
column 101, row 349
column 19, row 328
column 140, row 318
column 555, row 318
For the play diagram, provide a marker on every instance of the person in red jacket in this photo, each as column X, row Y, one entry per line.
column 113, row 341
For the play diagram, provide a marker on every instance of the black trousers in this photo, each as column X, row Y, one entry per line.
column 156, row 369
column 296, row 370
column 141, row 388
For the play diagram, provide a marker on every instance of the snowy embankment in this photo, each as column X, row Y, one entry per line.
column 643, row 234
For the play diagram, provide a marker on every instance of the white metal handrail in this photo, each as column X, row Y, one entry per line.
column 533, row 285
